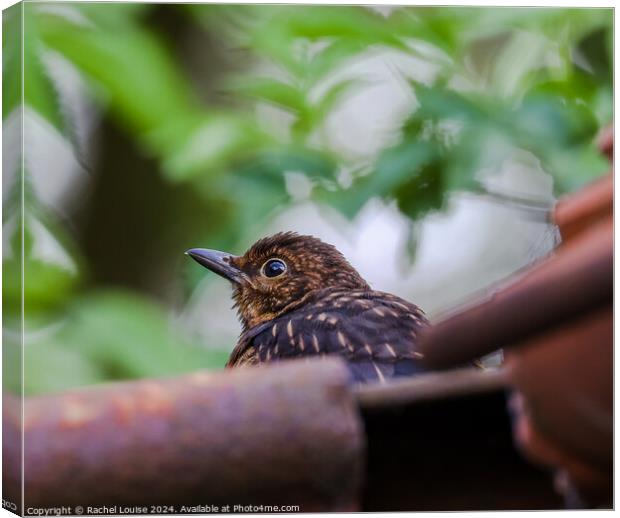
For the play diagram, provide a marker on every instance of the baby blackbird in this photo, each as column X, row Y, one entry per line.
column 299, row 297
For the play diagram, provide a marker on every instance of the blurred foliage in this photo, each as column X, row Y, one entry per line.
column 538, row 80
column 109, row 335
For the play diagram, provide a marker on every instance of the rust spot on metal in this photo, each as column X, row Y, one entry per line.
column 123, row 408
column 76, row 413
column 154, row 398
column 200, row 378
column 30, row 419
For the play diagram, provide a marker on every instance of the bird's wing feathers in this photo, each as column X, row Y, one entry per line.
column 375, row 332
column 244, row 353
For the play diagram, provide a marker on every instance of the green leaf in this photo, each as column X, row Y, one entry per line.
column 442, row 27
column 352, row 28
column 144, row 84
column 423, row 192
column 106, row 336
column 271, row 91
column 48, row 284
column 128, row 336
column 316, row 22
column 331, row 98
column 48, row 367
column 479, row 148
column 208, row 144
column 276, row 161
column 438, row 102
column 39, row 93
column 543, row 122
column 51, row 367
column 573, row 168
column 112, row 17
column 11, row 58
column 150, row 95
column 593, row 46
column 335, row 54
column 11, row 362
column 395, row 167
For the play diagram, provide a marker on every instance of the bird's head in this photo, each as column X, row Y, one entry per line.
column 279, row 271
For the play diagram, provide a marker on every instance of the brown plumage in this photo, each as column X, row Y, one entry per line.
column 297, row 296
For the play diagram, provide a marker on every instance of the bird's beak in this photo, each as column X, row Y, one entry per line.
column 217, row 262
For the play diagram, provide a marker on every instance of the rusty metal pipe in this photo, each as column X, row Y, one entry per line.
column 285, row 434
column 565, row 377
column 577, row 212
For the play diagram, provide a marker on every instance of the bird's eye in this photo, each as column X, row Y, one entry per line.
column 273, row 268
